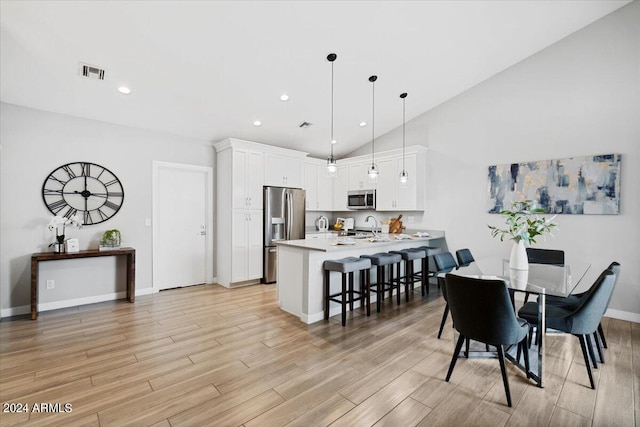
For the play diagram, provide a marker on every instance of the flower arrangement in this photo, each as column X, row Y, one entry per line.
column 62, row 221
column 523, row 224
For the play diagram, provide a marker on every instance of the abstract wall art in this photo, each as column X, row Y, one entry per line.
column 577, row 185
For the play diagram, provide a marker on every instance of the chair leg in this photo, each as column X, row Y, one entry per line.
column 408, row 272
column 444, row 319
column 326, row 294
column 587, row 337
column 455, row 356
column 526, row 297
column 586, row 359
column 351, row 291
column 596, row 338
column 466, row 348
column 367, row 287
column 503, row 369
column 601, row 333
column 398, row 283
column 344, row 299
column 525, row 353
column 379, row 287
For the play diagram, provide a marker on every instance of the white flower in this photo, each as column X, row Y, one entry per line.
column 63, row 221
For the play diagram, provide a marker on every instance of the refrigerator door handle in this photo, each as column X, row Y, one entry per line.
column 289, row 214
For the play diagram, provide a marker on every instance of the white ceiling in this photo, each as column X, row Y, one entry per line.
column 209, row 69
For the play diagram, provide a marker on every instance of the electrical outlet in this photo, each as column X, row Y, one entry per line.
column 51, row 284
column 147, row 222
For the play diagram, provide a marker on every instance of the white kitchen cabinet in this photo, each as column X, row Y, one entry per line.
column 391, row 195
column 319, row 187
column 359, row 176
column 241, row 174
column 247, row 178
column 340, row 188
column 247, row 244
column 283, row 171
column 386, row 189
column 310, row 186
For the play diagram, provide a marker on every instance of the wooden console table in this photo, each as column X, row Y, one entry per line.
column 52, row 256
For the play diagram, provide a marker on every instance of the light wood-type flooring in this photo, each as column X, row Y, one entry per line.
column 207, row 355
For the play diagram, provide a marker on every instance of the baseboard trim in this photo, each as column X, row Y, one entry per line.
column 47, row 306
column 623, row 315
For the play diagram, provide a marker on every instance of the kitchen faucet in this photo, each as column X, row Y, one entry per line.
column 374, row 227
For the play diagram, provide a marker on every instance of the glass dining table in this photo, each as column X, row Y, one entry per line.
column 540, row 280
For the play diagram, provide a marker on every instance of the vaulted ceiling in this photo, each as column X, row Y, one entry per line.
column 208, row 69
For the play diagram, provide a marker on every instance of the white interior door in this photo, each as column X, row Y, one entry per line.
column 180, row 226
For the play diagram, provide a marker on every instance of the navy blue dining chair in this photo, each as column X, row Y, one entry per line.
column 481, row 310
column 581, row 320
column 444, row 264
column 464, row 257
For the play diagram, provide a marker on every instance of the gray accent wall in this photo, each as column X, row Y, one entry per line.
column 578, row 97
column 36, row 142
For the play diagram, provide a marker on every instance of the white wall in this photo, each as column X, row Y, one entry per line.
column 36, row 142
column 578, row 97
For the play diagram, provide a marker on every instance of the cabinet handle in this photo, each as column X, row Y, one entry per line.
column 249, row 201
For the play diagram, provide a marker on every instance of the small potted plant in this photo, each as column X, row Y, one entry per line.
column 523, row 226
column 111, row 239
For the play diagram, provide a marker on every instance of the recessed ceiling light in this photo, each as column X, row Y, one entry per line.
column 124, row 90
column 257, row 123
column 284, row 97
column 363, row 124
column 334, row 141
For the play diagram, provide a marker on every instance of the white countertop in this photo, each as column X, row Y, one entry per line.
column 332, row 244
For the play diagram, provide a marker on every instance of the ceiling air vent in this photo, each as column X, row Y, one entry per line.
column 305, row 125
column 91, row 72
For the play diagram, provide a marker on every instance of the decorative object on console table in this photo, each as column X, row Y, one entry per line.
column 111, row 239
column 59, row 225
column 523, row 226
column 73, row 245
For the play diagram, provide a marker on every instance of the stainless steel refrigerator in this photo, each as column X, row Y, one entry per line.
column 284, row 210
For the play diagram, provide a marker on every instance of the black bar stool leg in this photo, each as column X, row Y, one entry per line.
column 326, row 294
column 351, row 291
column 344, row 299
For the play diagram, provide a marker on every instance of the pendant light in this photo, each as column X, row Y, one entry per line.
column 331, row 161
column 404, row 176
column 373, row 169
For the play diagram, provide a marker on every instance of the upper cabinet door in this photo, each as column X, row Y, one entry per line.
column 340, row 188
column 407, row 195
column 239, row 179
column 310, row 185
column 247, row 176
column 324, row 190
column 386, row 193
column 255, row 179
column 282, row 171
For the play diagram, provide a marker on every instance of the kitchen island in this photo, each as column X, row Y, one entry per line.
column 300, row 272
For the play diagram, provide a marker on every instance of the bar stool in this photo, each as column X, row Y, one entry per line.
column 430, row 251
column 409, row 278
column 347, row 266
column 381, row 261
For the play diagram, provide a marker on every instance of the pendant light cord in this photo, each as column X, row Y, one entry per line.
column 403, row 123
column 331, row 142
column 373, row 79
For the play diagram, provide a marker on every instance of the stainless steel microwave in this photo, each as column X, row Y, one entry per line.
column 361, row 199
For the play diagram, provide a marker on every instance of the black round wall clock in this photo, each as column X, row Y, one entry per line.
column 87, row 189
